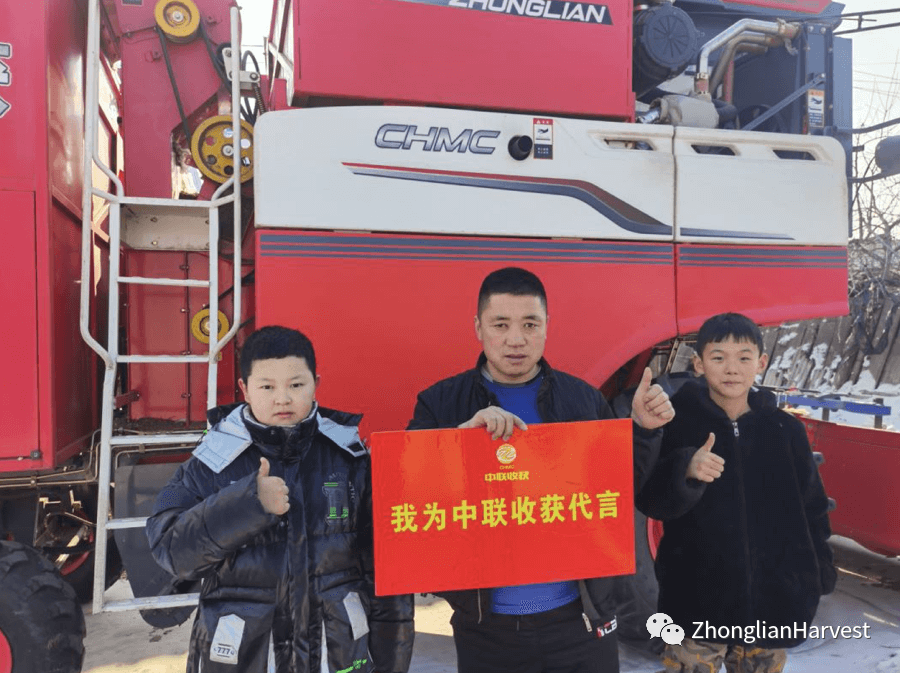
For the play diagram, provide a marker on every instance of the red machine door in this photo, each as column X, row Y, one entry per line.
column 18, row 305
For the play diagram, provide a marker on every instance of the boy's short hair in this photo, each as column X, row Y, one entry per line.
column 728, row 325
column 511, row 280
column 273, row 343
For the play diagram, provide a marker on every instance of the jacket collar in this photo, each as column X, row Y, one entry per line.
column 282, row 442
column 695, row 395
column 546, row 369
column 236, row 430
column 484, row 396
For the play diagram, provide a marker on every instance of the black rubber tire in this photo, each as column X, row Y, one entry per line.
column 636, row 595
column 82, row 578
column 40, row 617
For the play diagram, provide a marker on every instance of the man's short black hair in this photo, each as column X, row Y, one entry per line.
column 721, row 327
column 273, row 343
column 511, row 280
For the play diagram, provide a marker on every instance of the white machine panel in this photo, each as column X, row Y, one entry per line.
column 443, row 171
column 760, row 188
column 450, row 172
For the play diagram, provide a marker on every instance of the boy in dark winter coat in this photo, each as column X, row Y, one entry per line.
column 744, row 559
column 273, row 512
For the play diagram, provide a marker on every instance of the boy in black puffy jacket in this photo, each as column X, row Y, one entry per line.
column 273, row 512
column 743, row 559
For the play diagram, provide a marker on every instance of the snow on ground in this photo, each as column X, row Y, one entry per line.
column 787, row 337
column 856, row 602
column 866, row 392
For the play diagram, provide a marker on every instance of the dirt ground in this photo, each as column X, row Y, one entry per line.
column 868, row 593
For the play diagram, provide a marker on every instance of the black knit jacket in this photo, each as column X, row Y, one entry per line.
column 751, row 546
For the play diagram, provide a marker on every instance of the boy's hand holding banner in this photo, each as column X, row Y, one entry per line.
column 454, row 509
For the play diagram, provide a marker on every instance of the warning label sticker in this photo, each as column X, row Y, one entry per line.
column 543, row 138
column 815, row 106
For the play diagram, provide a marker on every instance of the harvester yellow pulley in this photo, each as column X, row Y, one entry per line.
column 213, row 151
column 200, row 325
column 178, row 19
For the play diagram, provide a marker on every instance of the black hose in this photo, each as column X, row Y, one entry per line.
column 727, row 112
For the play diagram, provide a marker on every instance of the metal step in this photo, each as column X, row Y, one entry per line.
column 130, row 522
column 179, row 203
column 154, row 440
column 152, row 603
column 178, row 282
column 169, row 226
column 163, row 359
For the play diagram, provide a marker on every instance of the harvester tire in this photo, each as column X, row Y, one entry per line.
column 636, row 594
column 82, row 578
column 41, row 622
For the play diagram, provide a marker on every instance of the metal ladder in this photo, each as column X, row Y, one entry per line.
column 110, row 355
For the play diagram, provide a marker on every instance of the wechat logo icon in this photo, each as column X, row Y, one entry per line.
column 660, row 625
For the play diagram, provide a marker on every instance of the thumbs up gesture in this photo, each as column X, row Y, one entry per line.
column 272, row 491
column 651, row 407
column 706, row 465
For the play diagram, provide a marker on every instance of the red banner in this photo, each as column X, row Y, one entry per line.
column 454, row 509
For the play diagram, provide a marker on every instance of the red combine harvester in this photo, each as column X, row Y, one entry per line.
column 654, row 162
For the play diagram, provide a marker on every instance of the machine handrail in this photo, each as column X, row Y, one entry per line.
column 110, row 354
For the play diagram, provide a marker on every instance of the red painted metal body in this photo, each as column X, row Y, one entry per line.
column 388, row 324
column 860, row 473
column 6, row 659
column 159, row 318
column 159, row 323
column 55, row 404
column 390, row 315
column 767, row 283
column 516, row 55
column 49, row 411
column 150, row 114
column 18, row 270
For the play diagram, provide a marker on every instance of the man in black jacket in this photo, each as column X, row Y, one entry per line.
column 274, row 513
column 558, row 627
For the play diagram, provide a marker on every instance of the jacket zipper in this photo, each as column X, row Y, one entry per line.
column 737, row 433
column 479, row 605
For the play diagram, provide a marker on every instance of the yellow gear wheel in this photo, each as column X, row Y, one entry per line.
column 212, row 149
column 200, row 326
column 179, row 19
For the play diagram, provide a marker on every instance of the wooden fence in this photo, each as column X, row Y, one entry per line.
column 825, row 355
column 828, row 355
